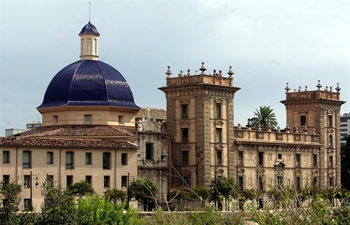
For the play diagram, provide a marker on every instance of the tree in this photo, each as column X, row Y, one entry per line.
column 222, row 186
column 58, row 208
column 345, row 164
column 265, row 117
column 144, row 191
column 10, row 196
column 95, row 210
column 80, row 189
column 115, row 195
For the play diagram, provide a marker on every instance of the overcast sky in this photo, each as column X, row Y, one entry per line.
column 267, row 42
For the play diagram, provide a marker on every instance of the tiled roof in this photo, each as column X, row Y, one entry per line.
column 74, row 136
column 159, row 114
column 89, row 28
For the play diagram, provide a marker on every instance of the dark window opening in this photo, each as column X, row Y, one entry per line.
column 69, row 160
column 124, row 159
column 187, row 180
column 106, row 160
column 49, row 157
column 218, row 135
column 298, row 183
column 279, row 181
column 88, row 158
column 330, row 159
column 149, row 151
column 26, row 181
column 184, row 111
column 297, row 160
column 106, row 181
column 241, row 158
column 124, row 181
column 184, row 134
column 28, row 205
column 184, row 157
column 5, row 157
column 6, row 179
column 240, row 183
column 219, row 157
column 315, row 160
column 261, row 158
column 279, row 156
column 331, row 182
column 261, row 184
column 330, row 140
column 27, row 159
column 302, row 120
column 88, row 179
column 49, row 180
column 218, row 113
column 330, row 121
column 69, row 180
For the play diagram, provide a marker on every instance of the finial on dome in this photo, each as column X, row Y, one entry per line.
column 203, row 69
column 230, row 71
column 168, row 72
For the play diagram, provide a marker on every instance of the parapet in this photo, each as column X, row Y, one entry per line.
column 200, row 78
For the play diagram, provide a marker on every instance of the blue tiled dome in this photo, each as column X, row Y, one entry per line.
column 89, row 28
column 88, row 82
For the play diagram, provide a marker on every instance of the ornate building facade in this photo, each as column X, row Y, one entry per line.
column 92, row 130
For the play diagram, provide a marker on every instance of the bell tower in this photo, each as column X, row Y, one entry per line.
column 319, row 110
column 200, row 121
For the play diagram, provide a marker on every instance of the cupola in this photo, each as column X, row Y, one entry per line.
column 89, row 42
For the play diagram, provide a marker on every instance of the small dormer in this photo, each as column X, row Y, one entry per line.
column 89, row 42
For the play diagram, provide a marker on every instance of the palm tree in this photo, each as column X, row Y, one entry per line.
column 265, row 117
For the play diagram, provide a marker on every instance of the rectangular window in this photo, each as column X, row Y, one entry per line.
column 106, row 181
column 49, row 159
column 184, row 111
column 218, row 157
column 50, row 180
column 120, row 120
column 28, row 204
column 124, row 159
column 88, row 179
column 330, row 161
column 187, row 180
column 149, row 151
column 87, row 119
column 218, row 112
column 261, row 159
column 297, row 160
column 240, row 182
column 261, row 203
column 106, row 160
column 241, row 158
column 5, row 157
column 124, row 181
column 279, row 181
column 69, row 180
column 27, row 159
column 279, row 156
column 315, row 160
column 26, row 181
column 69, row 160
column 298, row 183
column 331, row 182
column 330, row 121
column 6, row 179
column 184, row 157
column 55, row 119
column 302, row 120
column 184, row 134
column 314, row 181
column 218, row 135
column 261, row 184
column 88, row 158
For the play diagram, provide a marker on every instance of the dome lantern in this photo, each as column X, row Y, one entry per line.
column 89, row 42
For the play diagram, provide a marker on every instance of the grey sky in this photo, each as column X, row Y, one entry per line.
column 268, row 43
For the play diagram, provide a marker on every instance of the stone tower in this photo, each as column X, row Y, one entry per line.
column 319, row 111
column 200, row 121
